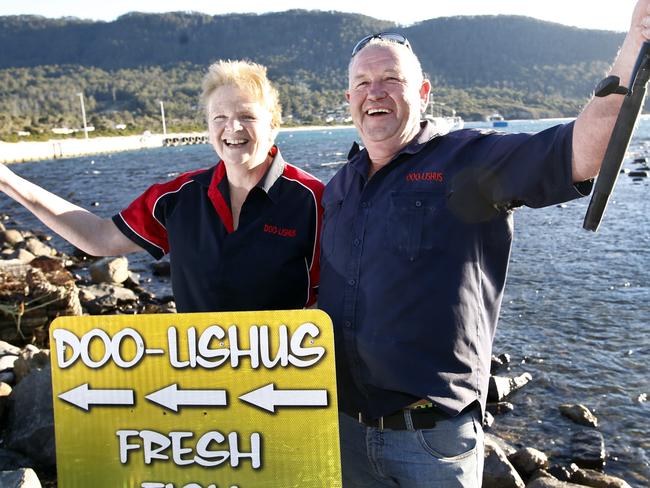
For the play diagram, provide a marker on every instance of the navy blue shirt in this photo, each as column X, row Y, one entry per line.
column 270, row 262
column 414, row 261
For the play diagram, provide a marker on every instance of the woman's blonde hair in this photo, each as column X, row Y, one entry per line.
column 245, row 75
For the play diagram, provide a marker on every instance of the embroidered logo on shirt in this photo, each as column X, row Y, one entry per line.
column 436, row 176
column 279, row 231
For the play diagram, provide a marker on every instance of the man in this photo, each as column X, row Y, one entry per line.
column 416, row 241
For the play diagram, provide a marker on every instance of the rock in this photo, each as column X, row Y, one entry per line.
column 21, row 478
column 11, row 237
column 22, row 255
column 642, row 398
column 168, row 307
column 109, row 270
column 161, row 268
column 488, row 420
column 527, row 460
column 589, row 477
column 579, row 414
column 82, row 255
column 42, row 236
column 49, row 264
column 499, row 362
column 31, row 358
column 497, row 470
column 551, row 483
column 10, row 460
column 493, row 440
column 85, row 295
column 144, row 295
column 132, row 282
column 30, row 299
column 501, row 386
column 588, row 449
column 102, row 305
column 500, row 408
column 30, row 419
column 120, row 293
column 37, row 248
column 563, row 473
column 106, row 298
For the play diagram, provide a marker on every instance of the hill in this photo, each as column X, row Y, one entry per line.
column 520, row 66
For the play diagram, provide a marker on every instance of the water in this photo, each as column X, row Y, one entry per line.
column 575, row 313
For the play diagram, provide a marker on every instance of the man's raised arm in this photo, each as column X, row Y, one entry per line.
column 594, row 125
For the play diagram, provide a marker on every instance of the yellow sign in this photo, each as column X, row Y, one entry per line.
column 206, row 400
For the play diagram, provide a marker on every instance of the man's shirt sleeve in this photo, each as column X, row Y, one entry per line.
column 532, row 169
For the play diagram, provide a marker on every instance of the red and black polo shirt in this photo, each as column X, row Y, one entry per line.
column 270, row 262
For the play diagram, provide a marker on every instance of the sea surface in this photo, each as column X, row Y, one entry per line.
column 576, row 313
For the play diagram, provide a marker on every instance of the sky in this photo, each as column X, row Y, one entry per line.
column 592, row 14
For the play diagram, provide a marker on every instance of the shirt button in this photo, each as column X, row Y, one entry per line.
column 418, row 203
column 357, row 242
column 352, row 282
column 347, row 324
column 364, row 204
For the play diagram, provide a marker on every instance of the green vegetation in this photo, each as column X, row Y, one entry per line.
column 518, row 66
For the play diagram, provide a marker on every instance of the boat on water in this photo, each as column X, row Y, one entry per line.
column 497, row 120
column 435, row 113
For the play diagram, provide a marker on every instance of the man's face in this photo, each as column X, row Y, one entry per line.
column 386, row 95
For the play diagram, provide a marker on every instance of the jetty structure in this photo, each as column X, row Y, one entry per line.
column 16, row 152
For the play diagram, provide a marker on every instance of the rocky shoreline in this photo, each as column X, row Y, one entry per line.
column 39, row 283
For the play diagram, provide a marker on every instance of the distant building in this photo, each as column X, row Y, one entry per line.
column 67, row 130
column 63, row 130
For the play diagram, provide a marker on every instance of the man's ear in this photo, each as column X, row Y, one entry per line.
column 347, row 95
column 425, row 89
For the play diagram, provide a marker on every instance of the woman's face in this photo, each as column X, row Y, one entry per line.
column 239, row 126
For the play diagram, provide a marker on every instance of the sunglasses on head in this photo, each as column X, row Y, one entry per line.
column 386, row 36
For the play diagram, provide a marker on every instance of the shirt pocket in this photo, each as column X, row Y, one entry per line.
column 417, row 223
column 332, row 210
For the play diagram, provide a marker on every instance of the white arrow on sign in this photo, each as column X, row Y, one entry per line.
column 171, row 398
column 83, row 397
column 267, row 398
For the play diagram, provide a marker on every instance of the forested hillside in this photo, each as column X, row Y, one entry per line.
column 516, row 65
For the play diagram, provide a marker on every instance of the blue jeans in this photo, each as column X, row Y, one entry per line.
column 449, row 455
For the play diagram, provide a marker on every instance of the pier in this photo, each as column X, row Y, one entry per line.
column 18, row 152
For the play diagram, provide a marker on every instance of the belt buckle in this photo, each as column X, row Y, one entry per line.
column 380, row 421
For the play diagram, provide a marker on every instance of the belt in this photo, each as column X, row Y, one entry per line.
column 406, row 419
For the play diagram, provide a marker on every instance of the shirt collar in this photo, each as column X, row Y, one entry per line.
column 358, row 157
column 272, row 174
column 215, row 175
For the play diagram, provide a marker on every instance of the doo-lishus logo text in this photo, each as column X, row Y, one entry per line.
column 279, row 231
column 435, row 176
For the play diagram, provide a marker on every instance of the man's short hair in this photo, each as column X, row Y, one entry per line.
column 407, row 53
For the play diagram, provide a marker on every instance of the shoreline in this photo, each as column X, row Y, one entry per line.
column 301, row 128
column 25, row 151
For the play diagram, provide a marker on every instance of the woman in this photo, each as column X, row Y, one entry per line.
column 241, row 235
